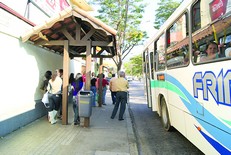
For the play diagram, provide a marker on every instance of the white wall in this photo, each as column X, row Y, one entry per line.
column 22, row 68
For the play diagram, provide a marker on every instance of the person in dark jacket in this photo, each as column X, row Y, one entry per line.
column 47, row 76
column 77, row 85
column 93, row 88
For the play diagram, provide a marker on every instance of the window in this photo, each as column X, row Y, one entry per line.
column 144, row 62
column 177, row 31
column 214, row 31
column 152, row 64
column 160, row 52
column 196, row 17
column 178, row 49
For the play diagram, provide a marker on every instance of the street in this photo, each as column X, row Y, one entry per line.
column 151, row 138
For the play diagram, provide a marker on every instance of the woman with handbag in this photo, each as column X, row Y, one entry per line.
column 43, row 87
column 54, row 96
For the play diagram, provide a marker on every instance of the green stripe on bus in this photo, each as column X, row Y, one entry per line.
column 226, row 121
column 169, row 86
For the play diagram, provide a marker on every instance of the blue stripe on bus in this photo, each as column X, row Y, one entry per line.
column 222, row 138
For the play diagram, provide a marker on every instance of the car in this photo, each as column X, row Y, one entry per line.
column 129, row 78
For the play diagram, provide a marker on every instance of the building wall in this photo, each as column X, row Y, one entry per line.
column 22, row 67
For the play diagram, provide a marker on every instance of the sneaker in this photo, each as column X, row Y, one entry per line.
column 104, row 104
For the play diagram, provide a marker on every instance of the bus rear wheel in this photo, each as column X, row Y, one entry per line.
column 165, row 116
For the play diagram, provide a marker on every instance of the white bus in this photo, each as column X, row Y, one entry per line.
column 188, row 84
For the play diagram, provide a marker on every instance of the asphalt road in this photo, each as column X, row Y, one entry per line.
column 152, row 139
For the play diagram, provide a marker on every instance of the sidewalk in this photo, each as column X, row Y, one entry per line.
column 104, row 136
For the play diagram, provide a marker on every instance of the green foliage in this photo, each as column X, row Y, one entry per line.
column 134, row 66
column 125, row 16
column 164, row 11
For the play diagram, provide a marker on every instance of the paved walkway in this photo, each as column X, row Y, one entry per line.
column 104, row 136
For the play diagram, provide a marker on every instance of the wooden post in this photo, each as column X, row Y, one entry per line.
column 66, row 63
column 100, row 99
column 88, row 78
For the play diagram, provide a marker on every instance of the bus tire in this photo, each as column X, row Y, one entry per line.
column 165, row 116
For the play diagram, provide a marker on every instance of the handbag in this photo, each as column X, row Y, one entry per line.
column 45, row 99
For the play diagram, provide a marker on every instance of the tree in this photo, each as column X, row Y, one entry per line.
column 164, row 11
column 134, row 66
column 124, row 16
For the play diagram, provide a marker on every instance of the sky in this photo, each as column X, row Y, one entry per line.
column 147, row 24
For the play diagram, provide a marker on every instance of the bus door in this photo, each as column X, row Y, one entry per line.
column 147, row 78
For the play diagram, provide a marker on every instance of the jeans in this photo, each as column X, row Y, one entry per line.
column 54, row 102
column 75, row 108
column 93, row 89
column 121, row 99
column 104, row 94
column 113, row 97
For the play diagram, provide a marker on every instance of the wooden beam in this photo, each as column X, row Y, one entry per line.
column 103, row 56
column 88, row 79
column 77, row 32
column 67, row 34
column 102, row 43
column 88, row 67
column 78, row 43
column 100, row 82
column 66, row 62
column 88, row 35
column 94, row 43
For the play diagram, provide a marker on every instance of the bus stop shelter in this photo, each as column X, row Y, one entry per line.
column 74, row 33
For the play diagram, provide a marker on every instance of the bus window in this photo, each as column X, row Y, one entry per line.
column 179, row 57
column 147, row 65
column 144, row 63
column 177, row 31
column 152, row 64
column 196, row 17
column 160, row 50
column 215, row 28
column 225, row 47
column 177, row 51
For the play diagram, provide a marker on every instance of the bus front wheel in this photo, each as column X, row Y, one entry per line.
column 165, row 116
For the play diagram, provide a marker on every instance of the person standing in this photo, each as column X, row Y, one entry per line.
column 112, row 88
column 121, row 95
column 71, row 88
column 77, row 87
column 60, row 74
column 104, row 86
column 93, row 88
column 47, row 76
column 44, row 85
column 54, row 96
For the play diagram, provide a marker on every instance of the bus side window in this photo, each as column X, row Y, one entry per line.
column 225, row 46
column 177, row 49
column 196, row 17
column 160, row 52
column 152, row 64
column 212, row 28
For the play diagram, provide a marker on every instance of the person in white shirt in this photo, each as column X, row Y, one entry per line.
column 54, row 96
